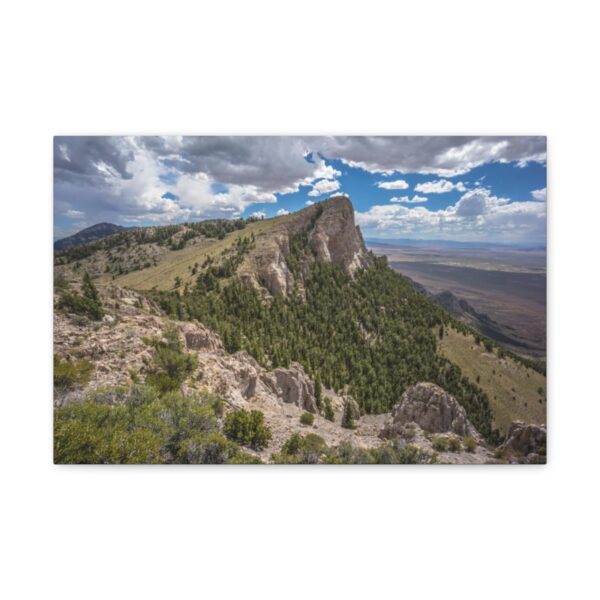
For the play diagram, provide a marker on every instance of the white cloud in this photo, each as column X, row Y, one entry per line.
column 444, row 156
column 398, row 184
column 441, row 186
column 323, row 186
column 282, row 212
column 259, row 214
column 539, row 194
column 416, row 199
column 125, row 179
column 309, row 203
column 74, row 214
column 478, row 215
column 477, row 202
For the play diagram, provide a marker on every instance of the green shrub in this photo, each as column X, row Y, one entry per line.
column 88, row 304
column 470, row 443
column 213, row 449
column 312, row 449
column 60, row 282
column 454, row 444
column 307, row 418
column 70, row 374
column 138, row 425
column 440, row 443
column 301, row 449
column 247, row 428
column 171, row 364
column 72, row 302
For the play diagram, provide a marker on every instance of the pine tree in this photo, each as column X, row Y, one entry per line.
column 348, row 416
column 318, row 392
column 89, row 289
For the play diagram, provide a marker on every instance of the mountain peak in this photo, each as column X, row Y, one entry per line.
column 89, row 234
column 329, row 234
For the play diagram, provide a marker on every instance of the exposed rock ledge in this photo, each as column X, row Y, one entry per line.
column 431, row 408
column 527, row 440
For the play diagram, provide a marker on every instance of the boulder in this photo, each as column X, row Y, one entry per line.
column 199, row 337
column 525, row 439
column 431, row 408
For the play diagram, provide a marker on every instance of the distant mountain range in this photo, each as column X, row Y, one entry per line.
column 448, row 244
column 90, row 234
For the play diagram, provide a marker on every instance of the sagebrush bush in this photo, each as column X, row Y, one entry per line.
column 70, row 374
column 171, row 364
column 307, row 418
column 139, row 425
column 440, row 443
column 312, row 449
column 247, row 428
column 301, row 449
column 454, row 444
column 470, row 443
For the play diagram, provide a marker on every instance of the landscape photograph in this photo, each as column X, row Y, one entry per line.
column 299, row 300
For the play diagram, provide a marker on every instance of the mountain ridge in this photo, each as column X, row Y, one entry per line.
column 89, row 234
column 272, row 310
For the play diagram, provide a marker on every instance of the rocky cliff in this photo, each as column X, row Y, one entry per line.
column 332, row 237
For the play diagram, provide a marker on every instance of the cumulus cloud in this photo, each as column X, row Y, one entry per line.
column 282, row 212
column 175, row 178
column 539, row 194
column 477, row 202
column 309, row 203
column 416, row 199
column 258, row 214
column 478, row 215
column 441, row 186
column 74, row 214
column 323, row 186
column 398, row 184
column 441, row 156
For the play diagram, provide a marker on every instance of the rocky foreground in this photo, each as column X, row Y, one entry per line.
column 426, row 416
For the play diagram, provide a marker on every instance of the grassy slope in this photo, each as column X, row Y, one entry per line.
column 180, row 262
column 498, row 378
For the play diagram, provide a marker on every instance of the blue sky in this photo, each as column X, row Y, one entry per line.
column 456, row 188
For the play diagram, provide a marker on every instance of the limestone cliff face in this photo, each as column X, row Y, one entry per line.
column 332, row 235
column 335, row 238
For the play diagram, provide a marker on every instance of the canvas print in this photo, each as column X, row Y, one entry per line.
column 299, row 300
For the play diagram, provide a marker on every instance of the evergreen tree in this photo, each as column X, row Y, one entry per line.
column 348, row 416
column 318, row 392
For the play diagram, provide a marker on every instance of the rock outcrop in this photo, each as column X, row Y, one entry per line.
column 293, row 386
column 199, row 337
column 335, row 238
column 332, row 235
column 431, row 408
column 527, row 440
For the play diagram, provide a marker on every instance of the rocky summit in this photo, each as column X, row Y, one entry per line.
column 280, row 340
